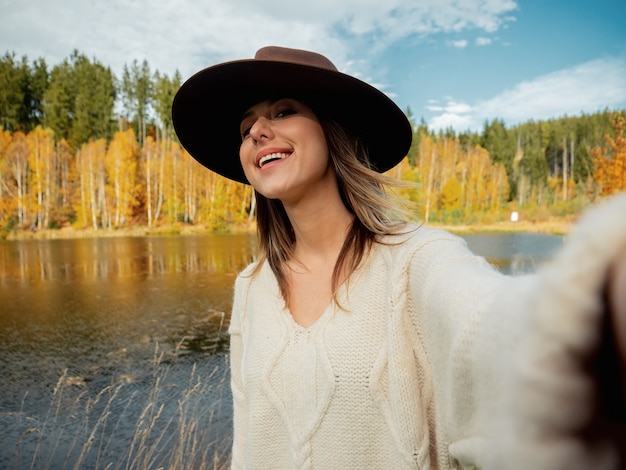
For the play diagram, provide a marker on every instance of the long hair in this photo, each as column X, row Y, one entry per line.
column 364, row 193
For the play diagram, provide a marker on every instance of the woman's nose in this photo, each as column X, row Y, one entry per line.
column 261, row 129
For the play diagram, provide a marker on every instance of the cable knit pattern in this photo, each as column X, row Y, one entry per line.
column 438, row 360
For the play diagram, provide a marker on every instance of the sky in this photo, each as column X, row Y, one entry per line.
column 453, row 63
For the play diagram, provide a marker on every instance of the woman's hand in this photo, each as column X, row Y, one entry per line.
column 617, row 309
column 612, row 391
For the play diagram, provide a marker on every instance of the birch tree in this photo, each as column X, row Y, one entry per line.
column 41, row 165
column 17, row 163
column 90, row 204
column 121, row 167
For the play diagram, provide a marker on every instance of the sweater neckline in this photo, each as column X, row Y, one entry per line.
column 314, row 326
column 343, row 294
column 271, row 284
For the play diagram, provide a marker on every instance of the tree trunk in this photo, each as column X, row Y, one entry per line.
column 149, row 186
column 565, row 169
column 429, row 186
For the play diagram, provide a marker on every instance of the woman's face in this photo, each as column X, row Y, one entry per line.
column 283, row 150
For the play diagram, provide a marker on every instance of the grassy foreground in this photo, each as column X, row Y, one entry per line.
column 119, row 427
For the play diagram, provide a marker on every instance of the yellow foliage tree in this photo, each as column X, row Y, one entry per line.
column 407, row 172
column 17, row 173
column 610, row 161
column 451, row 194
column 428, row 169
column 66, row 175
column 41, row 164
column 90, row 205
column 7, row 197
column 453, row 177
column 121, row 167
column 104, row 185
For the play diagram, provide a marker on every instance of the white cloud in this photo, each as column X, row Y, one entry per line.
column 183, row 34
column 444, row 121
column 483, row 41
column 588, row 87
column 394, row 18
column 435, row 108
column 458, row 108
column 462, row 43
column 454, row 114
column 188, row 34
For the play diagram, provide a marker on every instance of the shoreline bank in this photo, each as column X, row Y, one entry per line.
column 552, row 226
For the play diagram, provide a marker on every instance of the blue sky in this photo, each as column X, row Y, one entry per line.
column 454, row 63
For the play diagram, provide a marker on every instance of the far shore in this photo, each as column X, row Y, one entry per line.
column 552, row 226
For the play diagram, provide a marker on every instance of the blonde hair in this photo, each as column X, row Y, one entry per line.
column 363, row 191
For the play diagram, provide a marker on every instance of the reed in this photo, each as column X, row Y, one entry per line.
column 158, row 425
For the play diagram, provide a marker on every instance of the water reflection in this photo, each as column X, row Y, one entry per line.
column 118, row 258
column 119, row 292
column 515, row 253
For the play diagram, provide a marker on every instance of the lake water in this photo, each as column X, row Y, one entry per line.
column 112, row 351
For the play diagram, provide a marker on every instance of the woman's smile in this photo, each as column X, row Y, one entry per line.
column 268, row 157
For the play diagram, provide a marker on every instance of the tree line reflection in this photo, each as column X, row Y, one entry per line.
column 123, row 258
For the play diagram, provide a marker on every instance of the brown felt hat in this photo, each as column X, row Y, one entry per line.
column 208, row 107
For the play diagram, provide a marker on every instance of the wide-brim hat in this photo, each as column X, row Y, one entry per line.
column 208, row 107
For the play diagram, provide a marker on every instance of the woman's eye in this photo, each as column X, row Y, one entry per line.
column 245, row 131
column 285, row 112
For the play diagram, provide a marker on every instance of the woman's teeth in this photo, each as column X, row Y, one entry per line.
column 270, row 157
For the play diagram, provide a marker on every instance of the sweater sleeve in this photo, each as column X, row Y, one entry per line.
column 548, row 397
column 508, row 355
column 236, row 356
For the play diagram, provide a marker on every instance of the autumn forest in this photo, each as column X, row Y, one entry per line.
column 82, row 148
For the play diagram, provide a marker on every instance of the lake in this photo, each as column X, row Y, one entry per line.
column 113, row 351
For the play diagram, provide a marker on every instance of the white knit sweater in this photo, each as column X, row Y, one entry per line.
column 437, row 361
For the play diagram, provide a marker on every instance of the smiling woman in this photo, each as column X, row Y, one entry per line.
column 362, row 340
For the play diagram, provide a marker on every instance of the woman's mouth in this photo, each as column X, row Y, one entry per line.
column 270, row 157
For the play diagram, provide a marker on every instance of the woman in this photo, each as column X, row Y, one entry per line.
column 358, row 341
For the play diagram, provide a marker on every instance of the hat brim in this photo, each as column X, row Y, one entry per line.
column 208, row 107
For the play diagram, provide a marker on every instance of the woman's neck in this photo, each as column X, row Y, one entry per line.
column 320, row 229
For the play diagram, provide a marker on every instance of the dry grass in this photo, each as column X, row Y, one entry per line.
column 130, row 231
column 551, row 226
column 166, row 426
